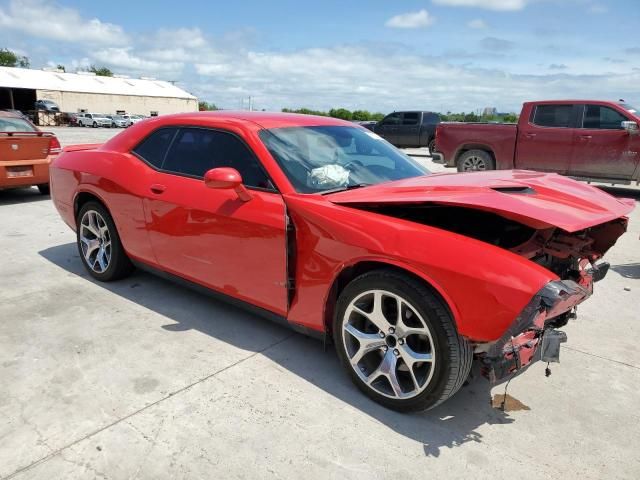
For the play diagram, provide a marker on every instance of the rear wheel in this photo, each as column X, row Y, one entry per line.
column 99, row 244
column 398, row 342
column 95, row 125
column 432, row 147
column 476, row 161
column 44, row 189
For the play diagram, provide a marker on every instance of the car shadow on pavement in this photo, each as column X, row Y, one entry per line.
column 628, row 270
column 447, row 426
column 21, row 195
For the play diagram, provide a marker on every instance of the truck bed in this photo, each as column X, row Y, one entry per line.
column 454, row 138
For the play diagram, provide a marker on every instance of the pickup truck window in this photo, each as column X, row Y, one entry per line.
column 391, row 119
column 553, row 115
column 601, row 117
column 410, row 118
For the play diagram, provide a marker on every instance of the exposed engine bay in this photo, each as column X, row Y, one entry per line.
column 565, row 254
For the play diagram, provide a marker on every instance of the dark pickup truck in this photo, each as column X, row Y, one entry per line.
column 409, row 129
column 588, row 139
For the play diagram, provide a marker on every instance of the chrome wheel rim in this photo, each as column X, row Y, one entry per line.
column 388, row 344
column 95, row 241
column 473, row 164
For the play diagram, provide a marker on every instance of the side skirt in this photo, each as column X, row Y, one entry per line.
column 274, row 317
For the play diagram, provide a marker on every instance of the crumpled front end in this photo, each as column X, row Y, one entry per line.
column 534, row 335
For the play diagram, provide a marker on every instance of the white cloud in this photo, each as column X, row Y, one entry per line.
column 477, row 23
column 126, row 61
column 418, row 19
column 43, row 19
column 504, row 5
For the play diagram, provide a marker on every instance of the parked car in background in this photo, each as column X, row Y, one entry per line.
column 118, row 121
column 588, row 139
column 17, row 112
column 25, row 153
column 93, row 120
column 47, row 105
column 318, row 224
column 368, row 124
column 136, row 118
column 409, row 129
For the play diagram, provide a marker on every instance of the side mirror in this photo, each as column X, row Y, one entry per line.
column 631, row 127
column 227, row 178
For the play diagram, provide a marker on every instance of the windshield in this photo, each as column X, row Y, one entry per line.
column 9, row 124
column 319, row 159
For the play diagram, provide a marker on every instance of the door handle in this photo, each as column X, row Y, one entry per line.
column 157, row 188
column 585, row 137
column 530, row 135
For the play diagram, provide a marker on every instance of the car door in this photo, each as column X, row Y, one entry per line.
column 409, row 130
column 211, row 236
column 603, row 148
column 388, row 127
column 545, row 142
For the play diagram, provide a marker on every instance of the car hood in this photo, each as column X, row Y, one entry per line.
column 539, row 200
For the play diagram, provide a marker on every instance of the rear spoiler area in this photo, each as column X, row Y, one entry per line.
column 26, row 134
column 82, row 146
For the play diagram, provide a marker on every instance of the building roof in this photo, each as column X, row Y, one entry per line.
column 84, row 83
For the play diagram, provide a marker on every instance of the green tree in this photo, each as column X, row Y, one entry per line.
column 341, row 113
column 10, row 59
column 101, row 71
column 206, row 106
column 361, row 115
column 61, row 67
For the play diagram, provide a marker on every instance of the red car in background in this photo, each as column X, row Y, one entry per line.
column 25, row 153
column 587, row 139
column 323, row 226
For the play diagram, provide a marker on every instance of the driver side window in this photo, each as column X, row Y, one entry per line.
column 191, row 151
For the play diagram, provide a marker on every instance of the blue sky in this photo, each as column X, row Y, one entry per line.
column 381, row 55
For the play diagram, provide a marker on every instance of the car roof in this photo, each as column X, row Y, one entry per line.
column 4, row 113
column 263, row 119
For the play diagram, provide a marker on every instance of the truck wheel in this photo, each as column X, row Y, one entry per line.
column 432, row 147
column 95, row 125
column 398, row 342
column 476, row 161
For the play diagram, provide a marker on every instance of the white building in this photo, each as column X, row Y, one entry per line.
column 86, row 92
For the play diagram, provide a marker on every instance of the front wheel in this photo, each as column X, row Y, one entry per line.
column 476, row 161
column 99, row 244
column 398, row 342
column 95, row 125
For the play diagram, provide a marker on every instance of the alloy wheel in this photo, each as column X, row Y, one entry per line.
column 388, row 344
column 95, row 241
column 474, row 164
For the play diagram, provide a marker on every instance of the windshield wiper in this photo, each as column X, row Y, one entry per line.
column 346, row 187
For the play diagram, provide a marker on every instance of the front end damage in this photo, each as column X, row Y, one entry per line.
column 573, row 256
column 533, row 335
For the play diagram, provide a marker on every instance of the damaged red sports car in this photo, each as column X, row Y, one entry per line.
column 322, row 225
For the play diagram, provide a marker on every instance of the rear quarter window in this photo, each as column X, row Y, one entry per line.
column 153, row 149
column 553, row 115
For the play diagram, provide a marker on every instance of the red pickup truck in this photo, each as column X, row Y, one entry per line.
column 587, row 139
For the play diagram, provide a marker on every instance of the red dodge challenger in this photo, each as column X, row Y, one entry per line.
column 322, row 225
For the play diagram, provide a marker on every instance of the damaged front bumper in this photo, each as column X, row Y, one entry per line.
column 533, row 335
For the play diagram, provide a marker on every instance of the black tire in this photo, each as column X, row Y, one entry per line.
column 95, row 125
column 475, row 161
column 44, row 189
column 453, row 354
column 119, row 265
column 432, row 147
